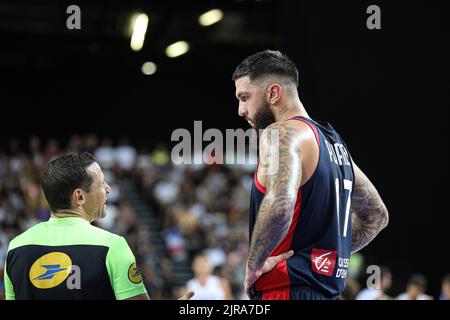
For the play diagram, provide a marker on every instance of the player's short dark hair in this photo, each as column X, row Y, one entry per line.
column 267, row 63
column 63, row 175
column 418, row 280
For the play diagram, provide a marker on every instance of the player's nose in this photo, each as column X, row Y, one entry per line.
column 242, row 110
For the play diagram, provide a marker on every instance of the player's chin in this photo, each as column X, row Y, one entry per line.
column 251, row 124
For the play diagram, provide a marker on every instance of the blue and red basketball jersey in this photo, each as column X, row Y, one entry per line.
column 321, row 229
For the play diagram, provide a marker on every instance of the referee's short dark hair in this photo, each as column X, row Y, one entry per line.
column 63, row 175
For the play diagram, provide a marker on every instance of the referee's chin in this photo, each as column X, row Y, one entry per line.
column 103, row 212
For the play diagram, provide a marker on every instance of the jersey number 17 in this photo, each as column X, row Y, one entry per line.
column 348, row 185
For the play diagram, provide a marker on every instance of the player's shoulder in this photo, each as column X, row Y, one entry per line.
column 292, row 126
column 290, row 131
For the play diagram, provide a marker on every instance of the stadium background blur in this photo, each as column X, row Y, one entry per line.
column 70, row 90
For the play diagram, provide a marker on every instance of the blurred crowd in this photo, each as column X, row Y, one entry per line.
column 203, row 211
column 379, row 288
column 203, row 208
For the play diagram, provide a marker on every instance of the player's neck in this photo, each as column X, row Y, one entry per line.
column 292, row 109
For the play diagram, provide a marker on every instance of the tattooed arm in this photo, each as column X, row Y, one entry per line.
column 283, row 176
column 369, row 214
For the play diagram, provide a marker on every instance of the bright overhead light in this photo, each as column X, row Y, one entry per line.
column 210, row 17
column 177, row 49
column 139, row 29
column 148, row 68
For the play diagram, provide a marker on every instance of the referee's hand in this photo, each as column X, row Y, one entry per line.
column 187, row 296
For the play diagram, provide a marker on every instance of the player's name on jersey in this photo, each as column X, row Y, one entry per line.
column 338, row 154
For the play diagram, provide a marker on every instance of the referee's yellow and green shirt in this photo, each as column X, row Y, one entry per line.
column 68, row 258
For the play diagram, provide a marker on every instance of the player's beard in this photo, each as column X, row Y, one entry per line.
column 264, row 117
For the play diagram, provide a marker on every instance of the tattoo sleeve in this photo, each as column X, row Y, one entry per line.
column 369, row 214
column 281, row 166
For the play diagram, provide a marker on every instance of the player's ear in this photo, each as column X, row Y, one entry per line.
column 274, row 92
column 78, row 197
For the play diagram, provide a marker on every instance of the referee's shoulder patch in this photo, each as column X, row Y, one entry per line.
column 133, row 274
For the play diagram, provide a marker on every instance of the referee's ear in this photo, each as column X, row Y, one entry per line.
column 78, row 198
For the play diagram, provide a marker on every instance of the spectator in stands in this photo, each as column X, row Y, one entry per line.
column 415, row 289
column 206, row 285
column 445, row 288
column 105, row 153
column 378, row 293
column 351, row 289
column 125, row 155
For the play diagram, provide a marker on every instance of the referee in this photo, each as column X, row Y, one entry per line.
column 66, row 257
